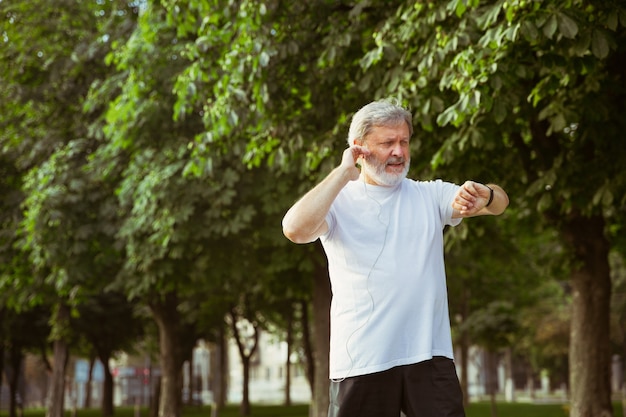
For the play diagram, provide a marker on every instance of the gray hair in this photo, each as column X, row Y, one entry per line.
column 378, row 113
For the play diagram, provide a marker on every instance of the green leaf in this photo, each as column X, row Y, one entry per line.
column 510, row 14
column 529, row 30
column 622, row 17
column 549, row 29
column 581, row 44
column 499, row 111
column 557, row 123
column 447, row 117
column 489, row 16
column 612, row 20
column 460, row 8
column 544, row 202
column 597, row 197
column 599, row 44
column 567, row 26
column 366, row 81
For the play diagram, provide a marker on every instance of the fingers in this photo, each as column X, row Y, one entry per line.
column 359, row 151
column 464, row 207
column 353, row 153
column 350, row 157
column 467, row 198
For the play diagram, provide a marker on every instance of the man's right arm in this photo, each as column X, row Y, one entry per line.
column 306, row 220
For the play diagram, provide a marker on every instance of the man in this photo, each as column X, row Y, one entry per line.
column 391, row 347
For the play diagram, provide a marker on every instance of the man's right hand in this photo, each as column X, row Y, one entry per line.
column 350, row 159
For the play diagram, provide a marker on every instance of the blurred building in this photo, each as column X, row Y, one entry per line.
column 267, row 373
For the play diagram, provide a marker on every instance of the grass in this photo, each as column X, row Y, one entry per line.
column 478, row 409
column 483, row 409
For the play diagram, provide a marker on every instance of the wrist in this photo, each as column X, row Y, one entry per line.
column 347, row 173
column 490, row 200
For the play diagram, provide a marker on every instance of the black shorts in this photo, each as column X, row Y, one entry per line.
column 425, row 389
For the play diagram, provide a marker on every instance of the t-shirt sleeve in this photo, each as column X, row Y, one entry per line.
column 446, row 192
column 330, row 221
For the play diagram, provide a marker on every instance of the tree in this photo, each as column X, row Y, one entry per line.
column 483, row 257
column 206, row 100
column 45, row 134
column 17, row 342
column 118, row 328
column 533, row 88
column 276, row 80
column 618, row 306
column 177, row 227
column 246, row 331
column 493, row 327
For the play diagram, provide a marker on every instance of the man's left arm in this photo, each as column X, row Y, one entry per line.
column 476, row 199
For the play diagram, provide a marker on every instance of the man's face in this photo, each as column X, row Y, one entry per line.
column 388, row 162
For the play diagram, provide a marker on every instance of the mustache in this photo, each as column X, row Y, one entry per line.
column 390, row 161
column 393, row 161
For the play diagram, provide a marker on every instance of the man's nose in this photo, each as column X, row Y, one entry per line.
column 397, row 149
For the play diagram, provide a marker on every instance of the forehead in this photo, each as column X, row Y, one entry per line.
column 394, row 131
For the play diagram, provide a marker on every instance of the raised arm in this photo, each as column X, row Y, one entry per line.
column 306, row 219
column 476, row 199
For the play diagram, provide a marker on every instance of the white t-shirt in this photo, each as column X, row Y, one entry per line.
column 385, row 258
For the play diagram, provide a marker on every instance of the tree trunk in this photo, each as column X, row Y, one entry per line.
column 56, row 401
column 89, row 384
column 321, row 329
column 624, row 399
column 465, row 368
column 15, row 365
column 589, row 354
column 219, row 380
column 165, row 312
column 107, row 389
column 188, row 400
column 156, row 398
column 289, row 342
column 509, row 383
column 2, row 335
column 247, row 345
column 244, row 410
column 530, row 381
column 492, row 385
column 465, row 346
column 306, row 341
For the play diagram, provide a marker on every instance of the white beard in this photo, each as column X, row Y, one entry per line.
column 376, row 171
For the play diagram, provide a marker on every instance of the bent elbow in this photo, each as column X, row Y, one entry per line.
column 290, row 234
column 295, row 236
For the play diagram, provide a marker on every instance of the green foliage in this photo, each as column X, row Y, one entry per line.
column 494, row 326
column 109, row 310
column 15, row 271
column 276, row 87
column 36, row 320
column 502, row 287
column 155, row 153
column 514, row 80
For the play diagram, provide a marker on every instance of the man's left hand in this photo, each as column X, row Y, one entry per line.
column 471, row 198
